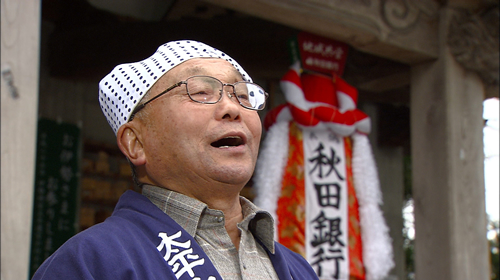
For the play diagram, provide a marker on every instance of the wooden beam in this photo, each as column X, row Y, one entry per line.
column 386, row 83
column 403, row 31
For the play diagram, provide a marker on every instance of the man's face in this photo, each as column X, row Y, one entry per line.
column 190, row 145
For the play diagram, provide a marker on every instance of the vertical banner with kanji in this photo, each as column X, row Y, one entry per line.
column 326, row 199
column 316, row 174
column 56, row 188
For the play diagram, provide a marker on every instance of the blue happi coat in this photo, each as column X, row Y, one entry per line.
column 140, row 242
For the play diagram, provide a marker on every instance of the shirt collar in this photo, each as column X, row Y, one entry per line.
column 190, row 213
column 259, row 222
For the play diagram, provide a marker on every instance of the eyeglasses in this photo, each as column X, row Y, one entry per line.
column 208, row 90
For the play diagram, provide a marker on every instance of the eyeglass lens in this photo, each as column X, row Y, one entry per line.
column 206, row 89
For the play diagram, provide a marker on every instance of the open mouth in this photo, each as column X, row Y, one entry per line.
column 226, row 142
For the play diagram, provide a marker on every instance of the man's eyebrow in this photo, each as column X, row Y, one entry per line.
column 195, row 70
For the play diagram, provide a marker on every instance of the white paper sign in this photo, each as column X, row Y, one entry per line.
column 327, row 244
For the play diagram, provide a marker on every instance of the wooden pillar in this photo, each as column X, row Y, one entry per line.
column 448, row 176
column 20, row 34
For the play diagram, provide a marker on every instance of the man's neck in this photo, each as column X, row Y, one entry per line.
column 231, row 207
column 232, row 220
column 227, row 201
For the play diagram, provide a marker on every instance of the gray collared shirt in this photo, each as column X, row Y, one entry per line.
column 206, row 225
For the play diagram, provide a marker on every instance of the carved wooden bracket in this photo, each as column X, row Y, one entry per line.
column 473, row 39
column 403, row 15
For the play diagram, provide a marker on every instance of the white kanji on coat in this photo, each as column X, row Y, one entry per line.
column 179, row 254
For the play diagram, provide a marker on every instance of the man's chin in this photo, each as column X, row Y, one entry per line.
column 233, row 177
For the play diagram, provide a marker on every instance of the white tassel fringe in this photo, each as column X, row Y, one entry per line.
column 377, row 245
column 270, row 168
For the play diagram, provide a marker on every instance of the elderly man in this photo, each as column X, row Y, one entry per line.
column 186, row 119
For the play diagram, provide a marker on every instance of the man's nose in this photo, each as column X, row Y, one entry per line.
column 229, row 91
column 228, row 107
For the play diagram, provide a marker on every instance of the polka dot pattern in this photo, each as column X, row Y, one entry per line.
column 122, row 89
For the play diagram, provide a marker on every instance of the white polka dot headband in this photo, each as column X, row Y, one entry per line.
column 122, row 89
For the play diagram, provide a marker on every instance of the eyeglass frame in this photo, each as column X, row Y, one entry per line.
column 141, row 106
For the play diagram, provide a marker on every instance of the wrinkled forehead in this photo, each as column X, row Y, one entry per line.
column 123, row 88
column 215, row 67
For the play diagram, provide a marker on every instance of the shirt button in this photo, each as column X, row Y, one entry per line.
column 220, row 219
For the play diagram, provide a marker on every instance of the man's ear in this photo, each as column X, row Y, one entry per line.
column 129, row 141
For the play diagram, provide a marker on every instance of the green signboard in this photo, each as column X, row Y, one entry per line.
column 57, row 177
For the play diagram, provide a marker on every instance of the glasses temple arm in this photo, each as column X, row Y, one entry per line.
column 141, row 106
